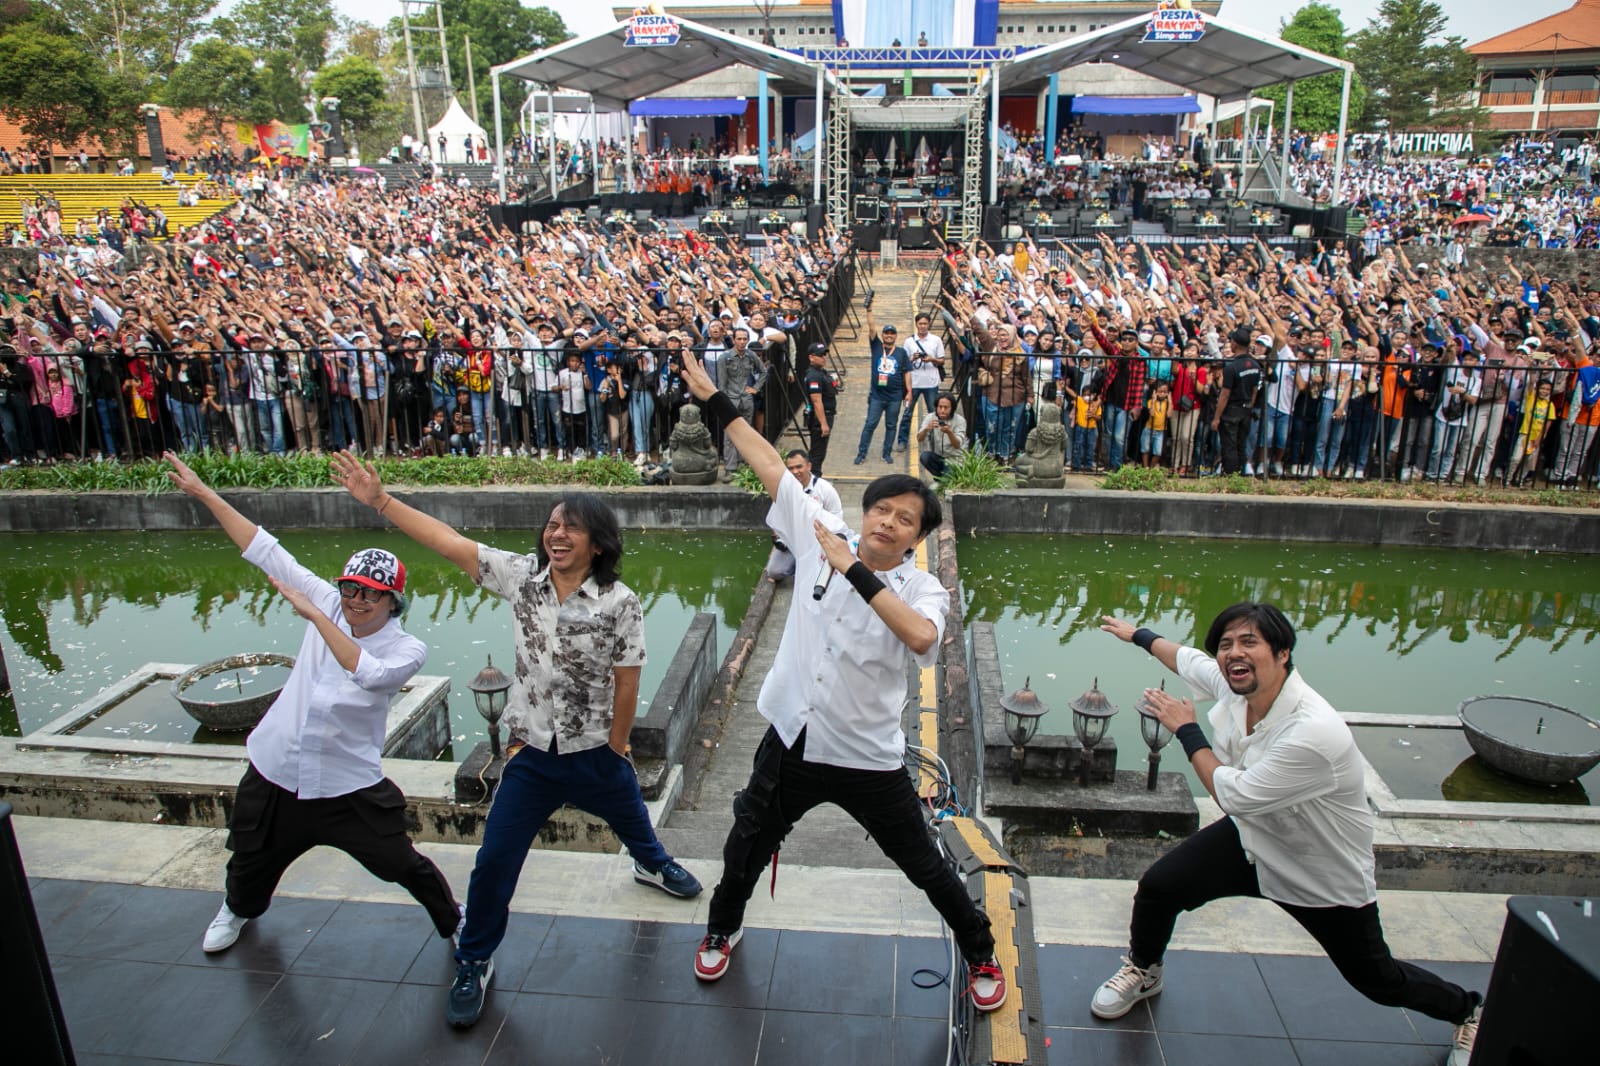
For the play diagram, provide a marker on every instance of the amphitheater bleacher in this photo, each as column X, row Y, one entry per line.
column 82, row 195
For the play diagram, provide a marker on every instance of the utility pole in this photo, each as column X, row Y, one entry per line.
column 444, row 48
column 411, row 68
column 472, row 84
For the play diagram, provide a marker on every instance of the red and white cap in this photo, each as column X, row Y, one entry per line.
column 376, row 569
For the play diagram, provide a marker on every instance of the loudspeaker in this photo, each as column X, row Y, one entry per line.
column 813, row 220
column 1544, row 985
column 914, row 235
column 993, row 220
column 38, row 1030
column 868, row 237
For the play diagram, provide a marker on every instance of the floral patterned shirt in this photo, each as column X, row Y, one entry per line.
column 567, row 652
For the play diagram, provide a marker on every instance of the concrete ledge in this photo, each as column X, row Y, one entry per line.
column 1343, row 521
column 663, row 731
column 466, row 507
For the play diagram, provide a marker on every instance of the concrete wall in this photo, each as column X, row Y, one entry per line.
column 493, row 507
column 662, row 732
column 1482, row 526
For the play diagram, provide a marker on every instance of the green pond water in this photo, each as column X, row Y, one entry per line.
column 81, row 611
column 1386, row 630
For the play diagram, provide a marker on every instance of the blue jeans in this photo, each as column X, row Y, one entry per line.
column 533, row 785
column 269, row 416
column 481, row 409
column 1330, row 435
column 342, row 424
column 879, row 405
column 1152, row 441
column 1084, row 440
column 597, row 423
column 642, row 416
column 14, row 427
column 191, row 426
column 927, row 395
column 1363, row 426
column 1115, row 423
column 1442, row 455
column 110, row 415
column 547, row 420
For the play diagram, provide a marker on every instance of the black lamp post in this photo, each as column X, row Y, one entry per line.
column 1091, row 714
column 489, row 693
column 1023, row 709
column 1155, row 736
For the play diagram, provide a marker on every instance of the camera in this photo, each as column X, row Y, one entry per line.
column 866, row 304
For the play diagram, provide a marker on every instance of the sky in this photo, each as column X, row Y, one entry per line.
column 1476, row 20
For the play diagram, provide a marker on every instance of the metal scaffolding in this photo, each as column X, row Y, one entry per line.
column 970, row 224
column 837, row 145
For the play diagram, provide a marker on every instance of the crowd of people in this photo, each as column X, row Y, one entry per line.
column 331, row 315
column 1247, row 359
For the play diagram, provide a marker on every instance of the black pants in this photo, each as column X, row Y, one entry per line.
column 819, row 443
column 783, row 787
column 1234, row 431
column 271, row 827
column 1212, row 865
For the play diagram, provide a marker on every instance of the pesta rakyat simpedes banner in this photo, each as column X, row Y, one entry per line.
column 277, row 139
column 1174, row 25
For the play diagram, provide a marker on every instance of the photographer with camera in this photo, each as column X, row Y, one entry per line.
column 943, row 436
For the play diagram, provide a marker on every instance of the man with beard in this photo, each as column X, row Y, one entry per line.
column 1287, row 773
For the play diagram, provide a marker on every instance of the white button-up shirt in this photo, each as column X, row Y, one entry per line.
column 1296, row 788
column 324, row 733
column 840, row 672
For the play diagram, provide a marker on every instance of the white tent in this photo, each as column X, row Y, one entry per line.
column 456, row 126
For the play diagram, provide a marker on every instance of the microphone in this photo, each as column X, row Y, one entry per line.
column 826, row 576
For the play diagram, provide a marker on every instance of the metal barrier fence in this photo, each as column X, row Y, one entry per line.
column 1296, row 429
column 107, row 403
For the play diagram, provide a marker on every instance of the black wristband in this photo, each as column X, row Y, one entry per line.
column 1145, row 638
column 863, row 580
column 1192, row 737
column 722, row 409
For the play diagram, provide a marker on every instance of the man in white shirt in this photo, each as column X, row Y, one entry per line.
column 1286, row 771
column 314, row 776
column 780, row 563
column 835, row 695
column 927, row 370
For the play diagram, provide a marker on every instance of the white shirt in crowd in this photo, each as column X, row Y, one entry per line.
column 1296, row 788
column 840, row 671
column 571, row 383
column 324, row 733
column 924, row 375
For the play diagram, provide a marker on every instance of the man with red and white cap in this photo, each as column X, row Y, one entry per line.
column 314, row 776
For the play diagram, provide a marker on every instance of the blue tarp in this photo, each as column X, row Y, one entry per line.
column 670, row 107
column 1135, row 105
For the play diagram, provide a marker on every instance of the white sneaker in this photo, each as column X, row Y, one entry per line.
column 1277, row 469
column 505, row 453
column 223, row 930
column 544, row 453
column 577, row 455
column 1125, row 988
column 1466, row 1035
column 1249, row 470
column 561, row 455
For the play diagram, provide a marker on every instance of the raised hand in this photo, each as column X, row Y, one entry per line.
column 359, row 479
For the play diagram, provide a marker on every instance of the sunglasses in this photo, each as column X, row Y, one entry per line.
column 352, row 589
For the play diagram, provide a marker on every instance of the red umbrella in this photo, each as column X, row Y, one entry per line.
column 1472, row 219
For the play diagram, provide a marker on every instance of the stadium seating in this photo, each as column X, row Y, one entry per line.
column 82, row 195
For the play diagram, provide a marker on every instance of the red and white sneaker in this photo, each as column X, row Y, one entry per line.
column 711, row 961
column 986, row 983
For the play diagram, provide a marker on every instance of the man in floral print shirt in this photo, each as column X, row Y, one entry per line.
column 579, row 638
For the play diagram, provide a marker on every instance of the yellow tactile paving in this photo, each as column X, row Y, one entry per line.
column 979, row 843
column 1007, row 1042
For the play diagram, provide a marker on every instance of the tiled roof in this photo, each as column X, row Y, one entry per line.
column 175, row 136
column 1577, row 29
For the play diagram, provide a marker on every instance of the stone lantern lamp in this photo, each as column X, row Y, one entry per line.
column 1155, row 736
column 1091, row 715
column 1023, row 709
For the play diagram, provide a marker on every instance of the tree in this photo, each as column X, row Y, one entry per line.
column 1319, row 27
column 55, row 88
column 220, row 79
column 361, row 88
column 501, row 30
column 1417, row 75
column 139, row 39
column 302, row 29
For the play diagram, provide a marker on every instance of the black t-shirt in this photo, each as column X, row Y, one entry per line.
column 820, row 390
column 1241, row 377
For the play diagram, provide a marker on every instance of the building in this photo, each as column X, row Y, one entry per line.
column 1545, row 75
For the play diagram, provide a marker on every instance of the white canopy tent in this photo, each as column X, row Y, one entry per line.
column 1228, row 63
column 614, row 74
column 456, row 126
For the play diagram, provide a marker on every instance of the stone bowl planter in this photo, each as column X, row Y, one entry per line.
column 1531, row 739
column 243, row 711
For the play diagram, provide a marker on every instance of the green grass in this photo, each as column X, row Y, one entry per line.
column 974, row 470
column 1139, row 479
column 248, row 470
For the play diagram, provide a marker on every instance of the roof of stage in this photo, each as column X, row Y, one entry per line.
column 1229, row 62
column 615, row 73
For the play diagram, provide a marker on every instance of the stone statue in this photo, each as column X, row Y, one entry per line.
column 1042, row 462
column 694, row 460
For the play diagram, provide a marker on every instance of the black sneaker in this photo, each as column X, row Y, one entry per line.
column 465, row 1006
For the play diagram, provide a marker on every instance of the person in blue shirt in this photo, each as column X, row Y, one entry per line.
column 890, row 386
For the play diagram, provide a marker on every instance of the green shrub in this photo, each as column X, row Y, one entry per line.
column 747, row 479
column 974, row 470
column 1138, row 479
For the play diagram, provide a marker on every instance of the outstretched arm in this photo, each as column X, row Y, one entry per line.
column 753, row 447
column 1165, row 651
column 345, row 650
column 239, row 528
column 361, row 481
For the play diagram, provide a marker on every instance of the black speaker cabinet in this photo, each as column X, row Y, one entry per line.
column 1545, row 984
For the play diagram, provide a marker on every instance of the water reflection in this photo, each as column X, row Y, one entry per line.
column 79, row 611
